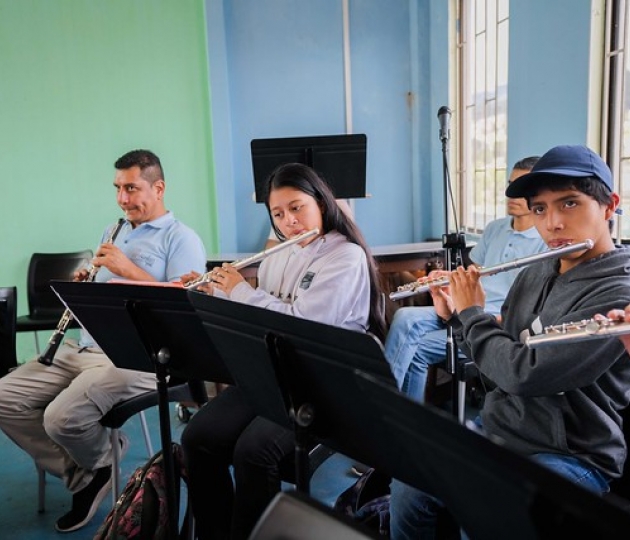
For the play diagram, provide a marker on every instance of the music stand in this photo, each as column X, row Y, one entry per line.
column 491, row 491
column 248, row 338
column 340, row 159
column 151, row 329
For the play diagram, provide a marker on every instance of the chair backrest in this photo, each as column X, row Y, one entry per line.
column 294, row 516
column 8, row 314
column 44, row 267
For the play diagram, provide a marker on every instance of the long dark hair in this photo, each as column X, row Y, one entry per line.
column 305, row 179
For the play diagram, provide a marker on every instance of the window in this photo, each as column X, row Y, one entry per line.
column 616, row 107
column 482, row 72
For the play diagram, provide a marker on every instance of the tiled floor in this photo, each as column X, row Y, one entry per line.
column 19, row 519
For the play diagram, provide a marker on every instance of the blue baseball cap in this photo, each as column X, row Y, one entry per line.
column 572, row 161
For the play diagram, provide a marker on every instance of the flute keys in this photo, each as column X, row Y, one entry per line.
column 588, row 326
column 593, row 326
column 564, row 328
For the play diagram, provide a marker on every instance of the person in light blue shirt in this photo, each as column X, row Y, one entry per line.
column 417, row 336
column 54, row 412
column 163, row 247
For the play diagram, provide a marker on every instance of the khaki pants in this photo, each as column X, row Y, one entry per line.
column 53, row 412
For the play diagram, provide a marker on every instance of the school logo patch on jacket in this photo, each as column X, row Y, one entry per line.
column 307, row 280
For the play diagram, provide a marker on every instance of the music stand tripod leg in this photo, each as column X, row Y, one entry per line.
column 461, row 391
column 302, row 419
column 457, row 369
column 300, row 412
column 454, row 243
column 161, row 361
column 168, row 460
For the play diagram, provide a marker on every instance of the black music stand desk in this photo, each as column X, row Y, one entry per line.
column 247, row 340
column 491, row 491
column 147, row 328
column 340, row 159
column 353, row 406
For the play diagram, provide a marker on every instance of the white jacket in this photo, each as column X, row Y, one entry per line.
column 327, row 281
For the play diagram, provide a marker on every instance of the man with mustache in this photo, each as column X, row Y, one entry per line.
column 53, row 412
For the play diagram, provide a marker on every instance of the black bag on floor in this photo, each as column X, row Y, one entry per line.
column 141, row 511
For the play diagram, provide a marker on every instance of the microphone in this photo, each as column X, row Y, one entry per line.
column 444, row 116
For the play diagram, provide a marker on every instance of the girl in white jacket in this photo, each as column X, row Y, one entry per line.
column 330, row 278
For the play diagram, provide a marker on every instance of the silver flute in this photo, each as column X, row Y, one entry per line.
column 242, row 263
column 417, row 287
column 573, row 332
column 57, row 337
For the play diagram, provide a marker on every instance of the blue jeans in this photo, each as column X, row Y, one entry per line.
column 413, row 512
column 415, row 340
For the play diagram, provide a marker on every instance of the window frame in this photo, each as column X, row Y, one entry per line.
column 481, row 100
column 614, row 116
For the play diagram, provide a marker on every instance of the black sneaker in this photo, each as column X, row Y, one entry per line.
column 85, row 503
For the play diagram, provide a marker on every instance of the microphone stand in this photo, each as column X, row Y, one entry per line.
column 454, row 244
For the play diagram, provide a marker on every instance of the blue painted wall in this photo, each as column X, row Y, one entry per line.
column 548, row 75
column 277, row 70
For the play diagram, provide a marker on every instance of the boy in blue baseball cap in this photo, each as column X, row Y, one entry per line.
column 541, row 393
column 567, row 161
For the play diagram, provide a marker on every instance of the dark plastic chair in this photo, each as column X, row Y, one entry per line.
column 44, row 307
column 119, row 414
column 294, row 516
column 8, row 314
column 192, row 391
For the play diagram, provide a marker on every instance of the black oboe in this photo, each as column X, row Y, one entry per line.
column 57, row 337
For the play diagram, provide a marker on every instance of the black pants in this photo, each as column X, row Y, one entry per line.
column 226, row 432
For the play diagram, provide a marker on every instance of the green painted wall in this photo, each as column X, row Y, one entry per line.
column 81, row 83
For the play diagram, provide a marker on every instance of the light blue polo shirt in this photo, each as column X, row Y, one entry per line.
column 164, row 248
column 499, row 244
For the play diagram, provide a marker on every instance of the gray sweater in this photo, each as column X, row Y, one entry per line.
column 559, row 399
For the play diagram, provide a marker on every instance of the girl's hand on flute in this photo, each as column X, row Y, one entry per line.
column 226, row 277
column 204, row 286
